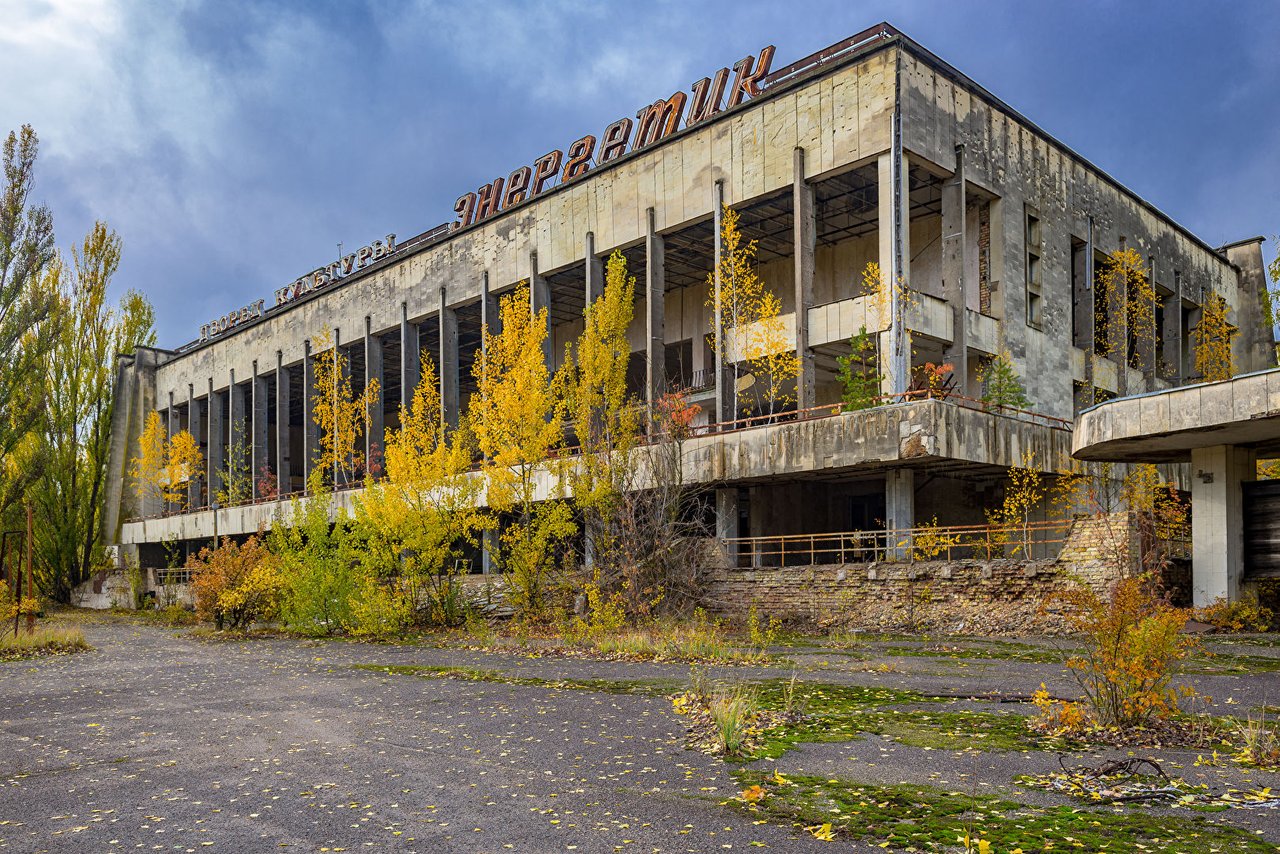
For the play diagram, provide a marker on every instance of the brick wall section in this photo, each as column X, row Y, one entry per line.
column 970, row 596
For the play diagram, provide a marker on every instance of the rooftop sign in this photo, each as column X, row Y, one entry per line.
column 651, row 124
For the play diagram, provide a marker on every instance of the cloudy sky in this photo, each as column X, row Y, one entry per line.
column 233, row 144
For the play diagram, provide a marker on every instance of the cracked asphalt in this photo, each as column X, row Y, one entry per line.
column 158, row 740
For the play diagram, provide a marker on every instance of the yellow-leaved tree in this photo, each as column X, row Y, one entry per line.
column 164, row 466
column 606, row 417
column 518, row 418
column 1124, row 285
column 416, row 520
column 753, row 339
column 1212, row 340
column 1022, row 495
column 341, row 416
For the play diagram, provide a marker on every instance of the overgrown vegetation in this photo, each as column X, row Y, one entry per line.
column 1001, row 386
column 752, row 338
column 44, row 641
column 913, row 817
column 1211, row 339
column 859, row 374
column 1133, row 645
column 236, row 584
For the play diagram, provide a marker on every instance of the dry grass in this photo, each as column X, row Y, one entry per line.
column 44, row 641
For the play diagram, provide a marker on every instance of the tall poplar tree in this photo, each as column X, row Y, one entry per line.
column 76, row 434
column 28, row 299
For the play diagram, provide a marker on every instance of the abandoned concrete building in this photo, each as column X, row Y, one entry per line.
column 870, row 150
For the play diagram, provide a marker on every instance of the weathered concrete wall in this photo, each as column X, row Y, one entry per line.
column 1009, row 158
column 134, row 399
column 838, row 119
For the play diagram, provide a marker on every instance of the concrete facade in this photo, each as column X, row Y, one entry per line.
column 879, row 152
column 1221, row 429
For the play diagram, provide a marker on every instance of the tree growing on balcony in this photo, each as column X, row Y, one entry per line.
column 606, row 417
column 859, row 374
column 236, row 475
column 1001, row 386
column 1126, row 302
column 416, row 519
column 517, row 416
column 1211, row 340
column 164, row 466
column 341, row 416
column 753, row 339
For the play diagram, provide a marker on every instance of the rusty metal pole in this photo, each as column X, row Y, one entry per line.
column 4, row 551
column 31, row 576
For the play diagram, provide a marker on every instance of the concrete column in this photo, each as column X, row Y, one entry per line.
column 1118, row 332
column 375, row 437
column 1171, row 353
column 894, row 231
column 655, row 316
column 727, row 522
column 170, row 428
column 955, row 244
column 1217, row 521
column 260, row 456
column 238, row 447
column 540, row 298
column 411, row 359
column 490, row 318
column 310, row 429
column 804, row 241
column 488, row 546
column 594, row 271
column 449, row 402
column 723, row 409
column 899, row 507
column 1089, row 313
column 284, row 465
column 215, row 456
column 338, row 452
column 195, row 425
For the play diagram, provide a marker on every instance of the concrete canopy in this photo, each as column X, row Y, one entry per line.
column 1166, row 426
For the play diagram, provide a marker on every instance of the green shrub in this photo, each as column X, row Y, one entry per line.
column 320, row 568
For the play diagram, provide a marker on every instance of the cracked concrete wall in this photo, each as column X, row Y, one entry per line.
column 1009, row 158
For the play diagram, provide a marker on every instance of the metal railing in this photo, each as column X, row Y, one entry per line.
column 716, row 428
column 1034, row 541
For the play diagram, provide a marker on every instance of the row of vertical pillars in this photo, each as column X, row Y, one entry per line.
column 244, row 405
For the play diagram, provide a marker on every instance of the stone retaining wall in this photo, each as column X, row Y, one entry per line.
column 969, row 596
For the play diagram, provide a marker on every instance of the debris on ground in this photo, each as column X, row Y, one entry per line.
column 1136, row 780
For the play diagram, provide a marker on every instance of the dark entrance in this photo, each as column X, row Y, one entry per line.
column 1261, row 529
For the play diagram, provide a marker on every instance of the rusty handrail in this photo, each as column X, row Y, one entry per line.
column 825, row 410
column 927, row 542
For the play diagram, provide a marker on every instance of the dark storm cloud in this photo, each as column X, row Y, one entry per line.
column 233, row 145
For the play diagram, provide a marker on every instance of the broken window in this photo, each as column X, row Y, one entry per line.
column 1035, row 293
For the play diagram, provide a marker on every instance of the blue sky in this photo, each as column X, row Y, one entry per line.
column 234, row 144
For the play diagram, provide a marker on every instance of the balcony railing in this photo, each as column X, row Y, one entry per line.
column 1034, row 541
column 718, row 428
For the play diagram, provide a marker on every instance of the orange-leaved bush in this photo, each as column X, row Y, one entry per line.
column 236, row 584
column 1133, row 642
